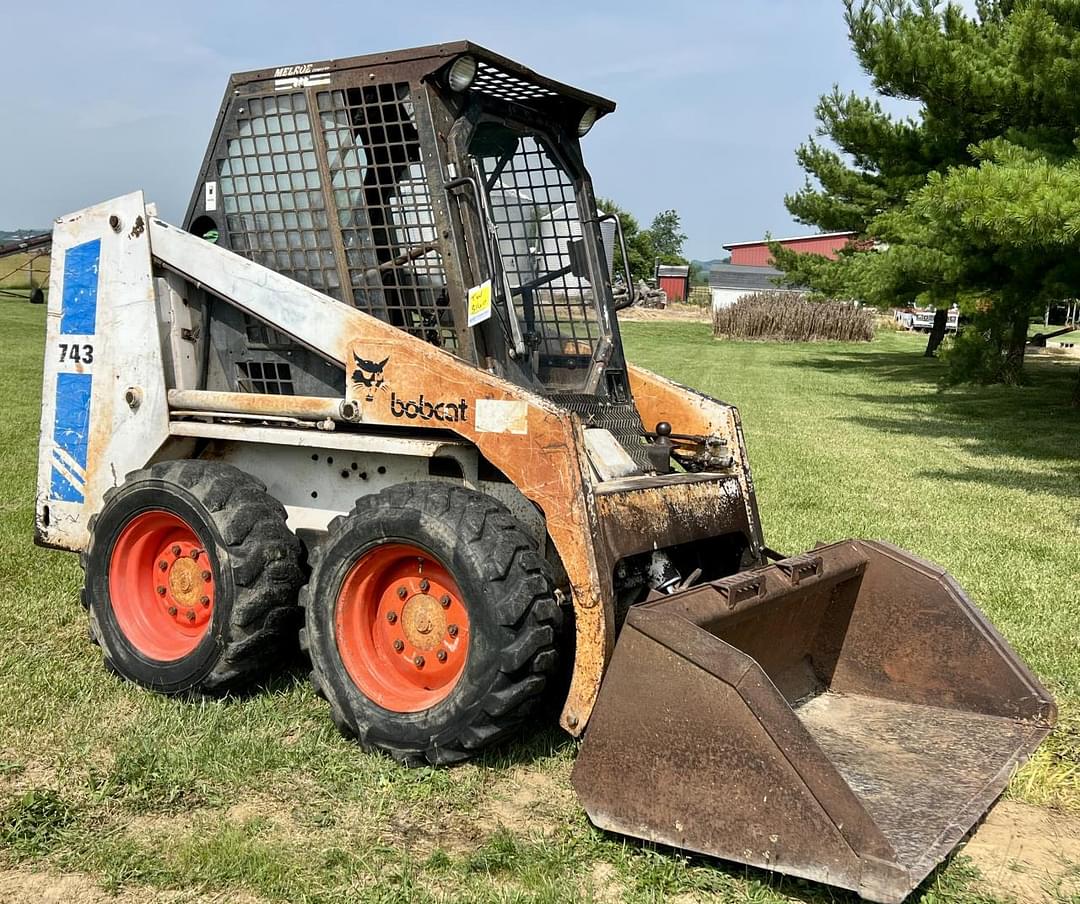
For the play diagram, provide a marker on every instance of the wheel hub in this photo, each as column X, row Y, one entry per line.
column 184, row 583
column 423, row 622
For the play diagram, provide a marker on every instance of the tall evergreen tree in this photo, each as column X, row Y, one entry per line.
column 976, row 198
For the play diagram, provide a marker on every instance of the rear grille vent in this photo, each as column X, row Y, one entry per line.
column 265, row 377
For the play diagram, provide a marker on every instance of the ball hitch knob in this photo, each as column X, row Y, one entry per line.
column 660, row 449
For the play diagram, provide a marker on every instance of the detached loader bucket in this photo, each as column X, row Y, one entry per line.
column 845, row 716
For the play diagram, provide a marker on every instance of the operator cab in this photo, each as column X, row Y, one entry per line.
column 440, row 189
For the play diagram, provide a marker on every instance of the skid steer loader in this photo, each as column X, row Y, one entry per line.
column 374, row 392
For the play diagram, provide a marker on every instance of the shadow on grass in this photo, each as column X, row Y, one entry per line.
column 1034, row 421
column 538, row 739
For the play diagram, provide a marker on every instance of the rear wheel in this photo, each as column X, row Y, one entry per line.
column 191, row 578
column 430, row 622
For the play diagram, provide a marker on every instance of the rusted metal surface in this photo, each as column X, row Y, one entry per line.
column 691, row 412
column 639, row 514
column 845, row 716
column 309, row 407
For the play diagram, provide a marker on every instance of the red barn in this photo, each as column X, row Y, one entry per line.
column 674, row 280
column 756, row 254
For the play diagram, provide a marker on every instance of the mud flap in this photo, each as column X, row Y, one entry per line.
column 845, row 716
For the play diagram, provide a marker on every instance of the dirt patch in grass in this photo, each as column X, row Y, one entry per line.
column 691, row 313
column 24, row 887
column 524, row 802
column 1028, row 852
column 529, row 801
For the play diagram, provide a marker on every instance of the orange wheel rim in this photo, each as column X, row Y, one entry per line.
column 161, row 585
column 402, row 628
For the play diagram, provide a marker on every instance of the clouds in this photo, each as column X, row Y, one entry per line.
column 713, row 97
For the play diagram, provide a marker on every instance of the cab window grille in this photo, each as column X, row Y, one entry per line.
column 271, row 191
column 534, row 207
column 385, row 210
column 265, row 377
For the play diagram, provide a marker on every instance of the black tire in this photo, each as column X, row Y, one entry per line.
column 255, row 561
column 506, row 588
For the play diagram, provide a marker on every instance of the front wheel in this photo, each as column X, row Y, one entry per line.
column 430, row 622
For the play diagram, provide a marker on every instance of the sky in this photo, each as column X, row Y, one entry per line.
column 713, row 97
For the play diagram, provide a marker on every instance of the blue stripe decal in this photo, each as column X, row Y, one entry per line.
column 72, row 431
column 80, row 289
column 63, row 490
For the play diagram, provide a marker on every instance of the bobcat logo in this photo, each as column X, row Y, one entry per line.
column 369, row 374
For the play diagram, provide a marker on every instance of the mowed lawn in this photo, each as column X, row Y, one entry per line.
column 260, row 799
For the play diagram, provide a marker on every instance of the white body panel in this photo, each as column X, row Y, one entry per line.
column 102, row 343
column 125, row 293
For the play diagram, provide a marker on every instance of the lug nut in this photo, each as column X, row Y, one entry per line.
column 391, row 617
column 424, row 585
column 402, row 592
column 441, row 655
column 163, row 565
column 206, row 575
column 419, row 662
column 452, row 630
column 194, row 554
column 172, row 610
column 161, row 591
column 176, row 550
column 399, row 646
column 205, row 600
column 444, row 601
column 191, row 615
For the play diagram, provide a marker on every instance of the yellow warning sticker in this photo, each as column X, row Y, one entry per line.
column 480, row 303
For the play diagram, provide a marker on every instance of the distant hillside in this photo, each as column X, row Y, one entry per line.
column 14, row 235
column 708, row 265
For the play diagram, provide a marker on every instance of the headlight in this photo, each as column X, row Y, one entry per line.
column 586, row 122
column 462, row 73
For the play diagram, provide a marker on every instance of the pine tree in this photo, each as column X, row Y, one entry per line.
column 976, row 198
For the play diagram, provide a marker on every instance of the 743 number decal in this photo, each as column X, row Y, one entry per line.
column 81, row 354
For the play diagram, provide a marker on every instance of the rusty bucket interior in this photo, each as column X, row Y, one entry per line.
column 845, row 716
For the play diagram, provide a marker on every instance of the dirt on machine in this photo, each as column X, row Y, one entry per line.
column 370, row 401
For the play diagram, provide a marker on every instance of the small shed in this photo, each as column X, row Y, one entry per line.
column 730, row 282
column 674, row 280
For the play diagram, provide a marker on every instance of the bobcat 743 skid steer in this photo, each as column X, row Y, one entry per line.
column 373, row 396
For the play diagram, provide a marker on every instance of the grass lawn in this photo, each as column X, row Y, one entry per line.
column 261, row 800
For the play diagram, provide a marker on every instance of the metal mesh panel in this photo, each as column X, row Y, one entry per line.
column 620, row 419
column 266, row 377
column 534, row 206
column 272, row 194
column 495, row 82
column 385, row 209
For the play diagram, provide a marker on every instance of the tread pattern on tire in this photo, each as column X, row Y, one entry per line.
column 528, row 614
column 265, row 558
